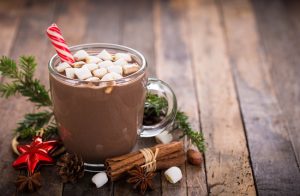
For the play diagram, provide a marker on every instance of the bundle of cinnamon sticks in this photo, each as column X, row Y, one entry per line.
column 168, row 155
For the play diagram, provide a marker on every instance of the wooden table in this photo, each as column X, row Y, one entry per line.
column 234, row 66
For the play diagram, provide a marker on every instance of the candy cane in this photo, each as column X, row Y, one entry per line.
column 59, row 44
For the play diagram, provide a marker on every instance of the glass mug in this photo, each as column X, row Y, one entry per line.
column 99, row 120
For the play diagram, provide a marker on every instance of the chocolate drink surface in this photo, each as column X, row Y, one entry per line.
column 96, row 123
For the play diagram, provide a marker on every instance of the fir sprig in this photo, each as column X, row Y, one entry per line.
column 51, row 129
column 22, row 81
column 33, row 122
column 181, row 121
column 153, row 107
column 155, row 104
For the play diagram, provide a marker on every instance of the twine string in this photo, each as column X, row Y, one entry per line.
column 40, row 132
column 150, row 159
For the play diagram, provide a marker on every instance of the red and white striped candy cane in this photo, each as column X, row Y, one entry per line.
column 59, row 44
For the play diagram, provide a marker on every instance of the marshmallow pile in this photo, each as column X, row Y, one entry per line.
column 101, row 67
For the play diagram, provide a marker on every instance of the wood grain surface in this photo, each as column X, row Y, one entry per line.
column 174, row 67
column 233, row 64
column 282, row 48
column 227, row 158
column 264, row 120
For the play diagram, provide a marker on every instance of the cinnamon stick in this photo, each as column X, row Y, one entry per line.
column 142, row 161
column 130, row 158
column 168, row 155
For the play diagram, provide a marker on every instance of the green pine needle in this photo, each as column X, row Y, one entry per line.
column 32, row 123
column 50, row 130
column 156, row 105
column 22, row 81
column 9, row 89
column 181, row 120
column 27, row 65
column 8, row 67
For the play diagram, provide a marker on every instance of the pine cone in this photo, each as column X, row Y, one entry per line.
column 71, row 168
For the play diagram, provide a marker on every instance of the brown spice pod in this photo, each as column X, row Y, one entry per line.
column 194, row 157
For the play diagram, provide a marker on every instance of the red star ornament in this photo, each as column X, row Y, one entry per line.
column 32, row 154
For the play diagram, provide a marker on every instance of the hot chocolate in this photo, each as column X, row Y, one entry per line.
column 98, row 102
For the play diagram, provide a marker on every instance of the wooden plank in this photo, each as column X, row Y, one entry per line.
column 274, row 165
column 85, row 187
column 280, row 29
column 227, row 158
column 104, row 22
column 134, row 24
column 71, row 17
column 32, row 26
column 138, row 29
column 290, row 101
column 10, row 17
column 174, row 66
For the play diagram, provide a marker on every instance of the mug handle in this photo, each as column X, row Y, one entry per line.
column 162, row 89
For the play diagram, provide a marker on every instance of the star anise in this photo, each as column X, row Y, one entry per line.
column 140, row 178
column 29, row 183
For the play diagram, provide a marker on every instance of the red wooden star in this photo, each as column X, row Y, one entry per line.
column 32, row 154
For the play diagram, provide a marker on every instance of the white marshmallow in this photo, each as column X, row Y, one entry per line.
column 104, row 55
column 120, row 62
column 124, row 56
column 130, row 68
column 91, row 66
column 62, row 66
column 93, row 79
column 100, row 72
column 105, row 64
column 116, row 69
column 78, row 64
column 92, row 59
column 83, row 73
column 80, row 55
column 70, row 73
column 164, row 138
column 100, row 179
column 111, row 76
column 173, row 174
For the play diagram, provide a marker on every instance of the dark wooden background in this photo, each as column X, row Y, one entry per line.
column 234, row 66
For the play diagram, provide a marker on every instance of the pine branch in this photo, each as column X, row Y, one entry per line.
column 196, row 137
column 50, row 130
column 23, row 81
column 27, row 65
column 156, row 106
column 8, row 89
column 8, row 67
column 32, row 123
column 35, row 92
